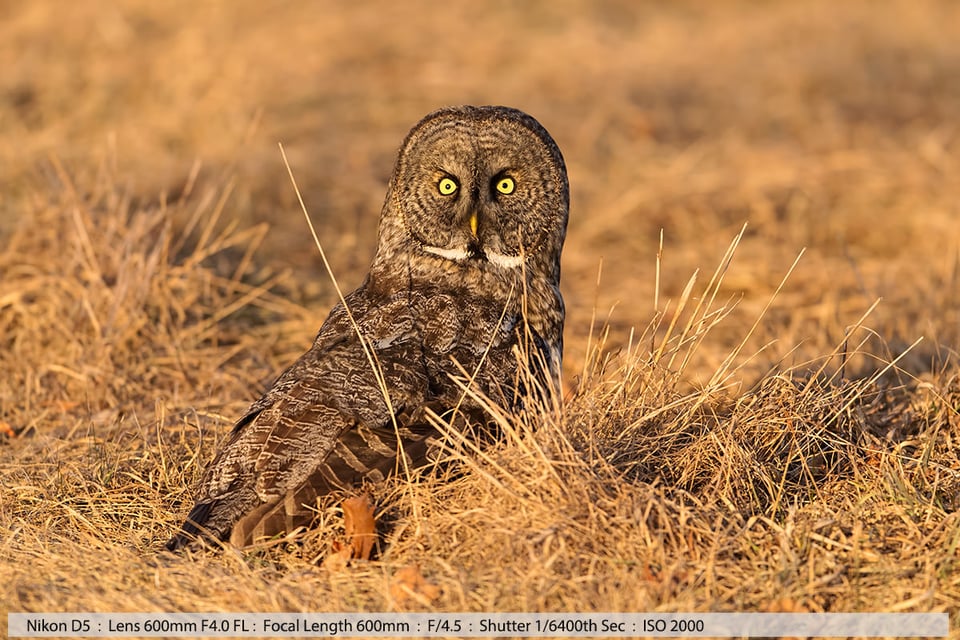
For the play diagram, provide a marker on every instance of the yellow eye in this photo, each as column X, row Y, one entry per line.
column 506, row 186
column 447, row 186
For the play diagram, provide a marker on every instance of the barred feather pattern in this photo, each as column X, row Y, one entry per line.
column 459, row 284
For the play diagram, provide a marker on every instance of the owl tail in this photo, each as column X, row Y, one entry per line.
column 213, row 518
column 361, row 456
column 192, row 526
column 275, row 518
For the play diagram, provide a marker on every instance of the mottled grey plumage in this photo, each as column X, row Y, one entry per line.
column 466, row 278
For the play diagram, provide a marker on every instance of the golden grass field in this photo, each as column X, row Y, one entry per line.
column 767, row 438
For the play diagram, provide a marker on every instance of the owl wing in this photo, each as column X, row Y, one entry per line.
column 324, row 425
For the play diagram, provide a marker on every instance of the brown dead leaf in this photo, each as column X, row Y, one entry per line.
column 339, row 558
column 361, row 529
column 409, row 584
column 360, row 525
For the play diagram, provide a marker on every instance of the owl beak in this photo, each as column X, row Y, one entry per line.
column 474, row 222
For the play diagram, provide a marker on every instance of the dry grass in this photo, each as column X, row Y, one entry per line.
column 727, row 443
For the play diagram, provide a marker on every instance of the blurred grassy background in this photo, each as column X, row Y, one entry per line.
column 824, row 126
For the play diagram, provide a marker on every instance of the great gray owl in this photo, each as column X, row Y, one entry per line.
column 465, row 286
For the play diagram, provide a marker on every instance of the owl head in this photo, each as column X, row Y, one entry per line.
column 482, row 188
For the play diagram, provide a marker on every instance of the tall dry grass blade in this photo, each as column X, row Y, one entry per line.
column 364, row 343
column 668, row 336
column 588, row 361
column 257, row 234
column 724, row 369
column 842, row 347
column 206, row 202
column 189, row 184
column 203, row 249
column 701, row 312
column 656, row 277
column 368, row 350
